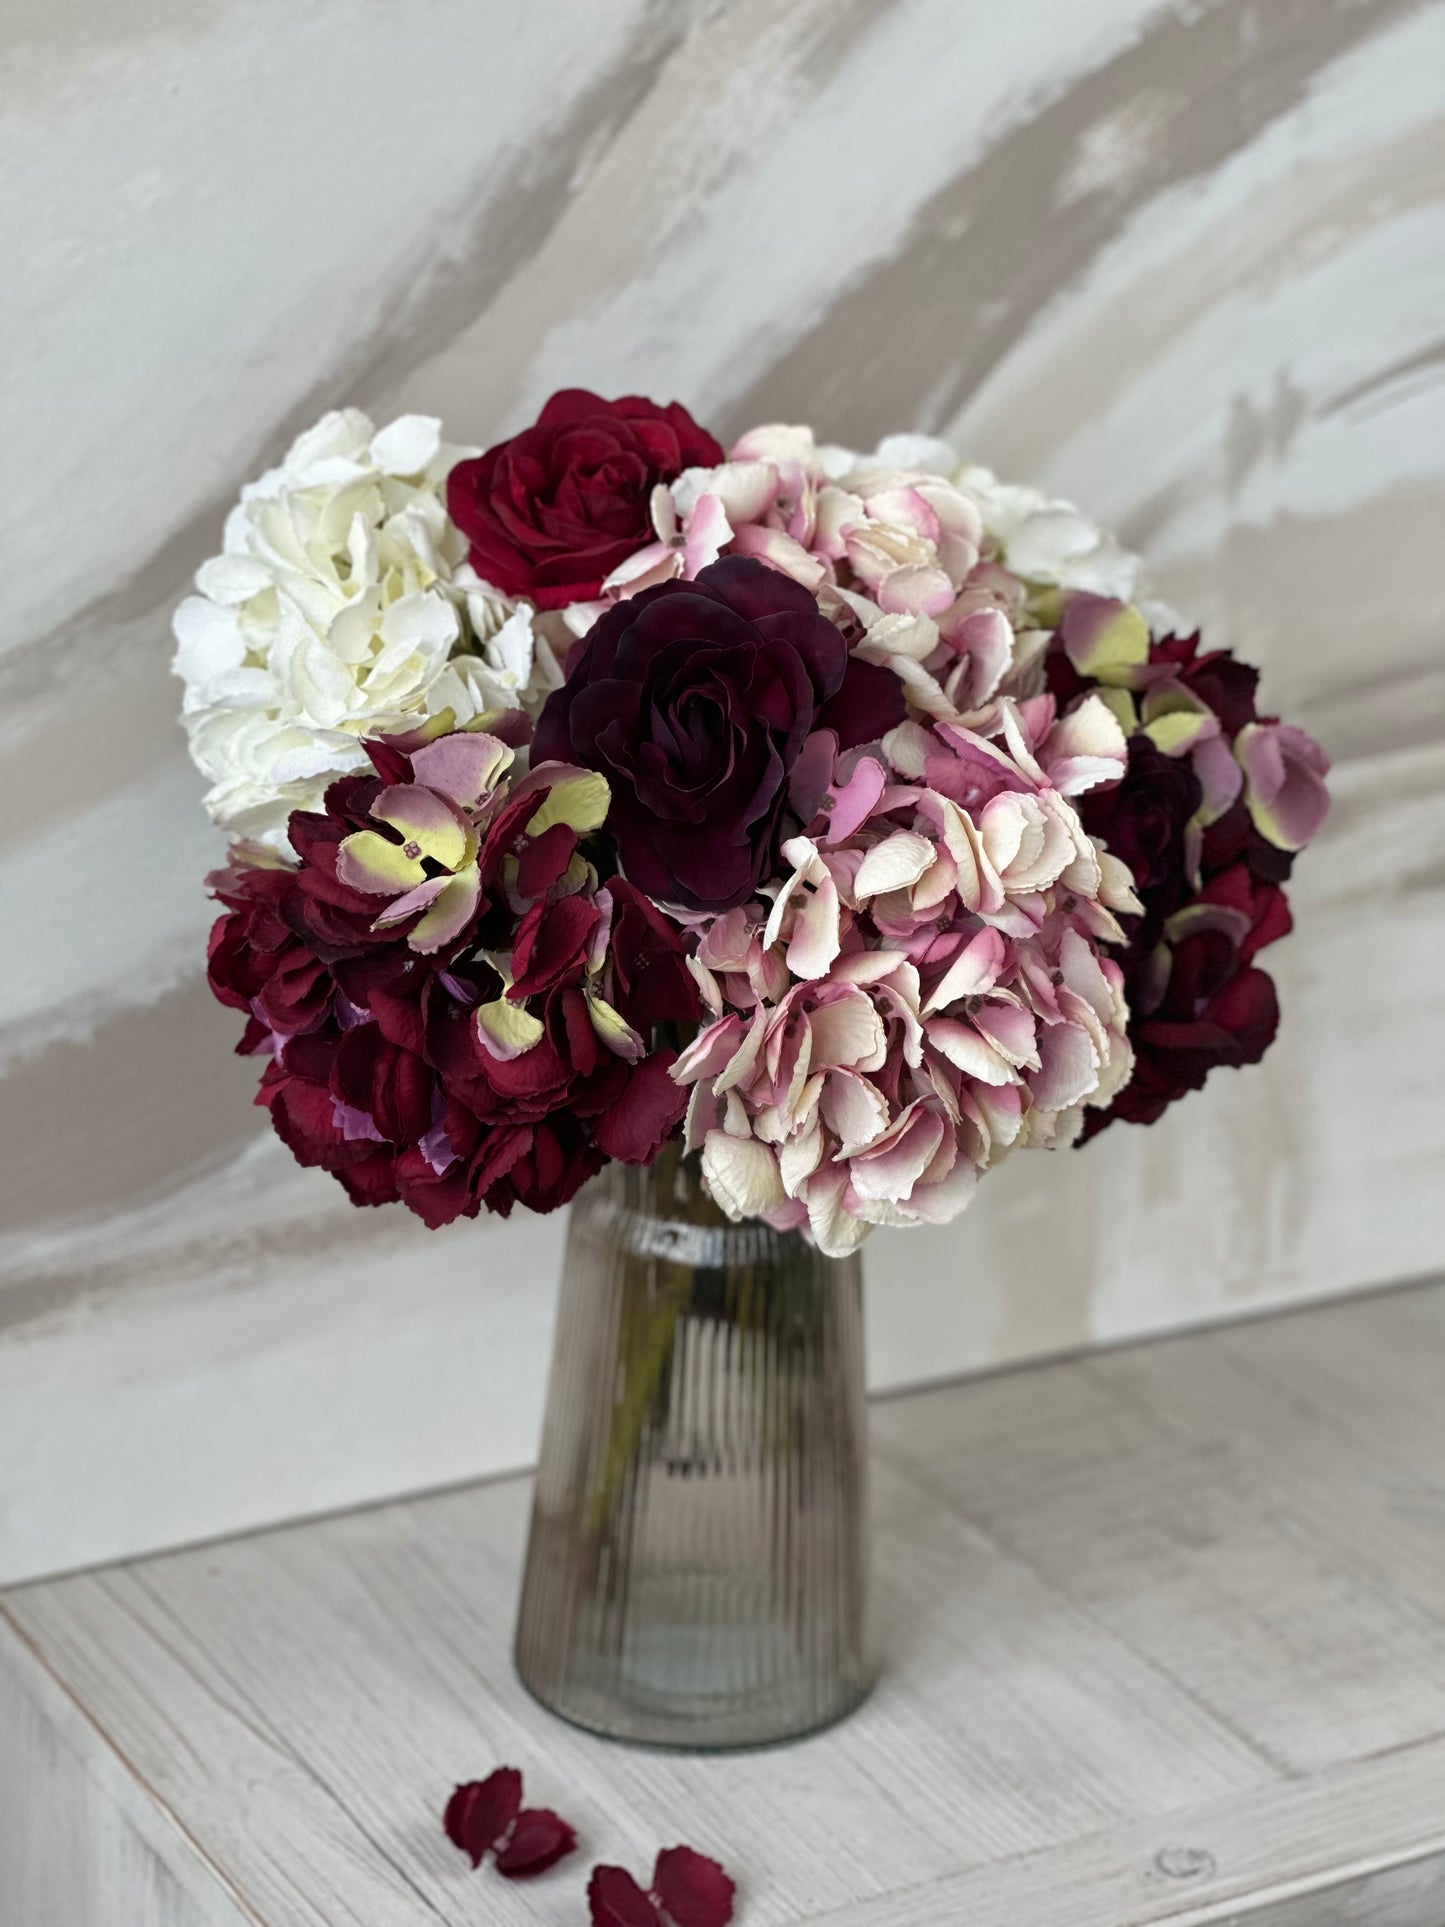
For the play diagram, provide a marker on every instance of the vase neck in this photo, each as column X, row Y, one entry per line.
column 671, row 1188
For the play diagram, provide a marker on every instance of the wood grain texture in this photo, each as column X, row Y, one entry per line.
column 1091, row 240
column 1136, row 1673
column 83, row 1843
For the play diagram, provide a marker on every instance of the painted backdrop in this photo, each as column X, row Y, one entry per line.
column 1185, row 262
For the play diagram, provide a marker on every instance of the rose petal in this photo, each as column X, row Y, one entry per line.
column 480, row 1811
column 614, row 1899
column 539, row 1840
column 694, row 1891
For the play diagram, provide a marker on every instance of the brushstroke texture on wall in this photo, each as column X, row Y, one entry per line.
column 1184, row 262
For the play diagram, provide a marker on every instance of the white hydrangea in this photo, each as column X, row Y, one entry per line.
column 1047, row 540
column 341, row 607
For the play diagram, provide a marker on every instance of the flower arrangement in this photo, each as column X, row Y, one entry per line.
column 858, row 819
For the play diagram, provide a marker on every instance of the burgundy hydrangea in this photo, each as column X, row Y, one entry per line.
column 695, row 700
column 401, row 1059
column 1211, row 893
column 552, row 512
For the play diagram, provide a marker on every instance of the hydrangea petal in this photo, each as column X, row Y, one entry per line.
column 614, row 1030
column 1103, row 637
column 742, row 1175
column 431, row 822
column 464, row 766
column 448, row 917
column 578, row 798
column 893, row 864
column 505, row 1030
column 692, row 1890
column 369, row 861
column 1284, row 771
column 974, row 970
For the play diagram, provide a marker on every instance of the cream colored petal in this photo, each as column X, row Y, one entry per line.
column 741, row 1174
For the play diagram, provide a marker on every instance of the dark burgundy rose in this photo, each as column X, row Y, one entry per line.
column 1142, row 821
column 694, row 700
column 552, row 512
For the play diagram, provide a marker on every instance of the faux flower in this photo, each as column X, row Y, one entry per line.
column 1208, row 815
column 552, row 512
column 334, row 613
column 1284, row 772
column 936, row 993
column 874, row 764
column 695, row 701
column 457, row 1010
column 1049, row 541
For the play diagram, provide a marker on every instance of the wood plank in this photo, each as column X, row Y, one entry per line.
column 1341, row 1428
column 1299, row 1642
column 1361, row 1846
column 83, row 1843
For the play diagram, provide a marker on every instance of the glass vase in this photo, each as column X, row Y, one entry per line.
column 697, row 1569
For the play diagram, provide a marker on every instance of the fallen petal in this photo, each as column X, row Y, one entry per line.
column 480, row 1812
column 539, row 1840
column 693, row 1890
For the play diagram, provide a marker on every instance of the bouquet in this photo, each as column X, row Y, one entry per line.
column 858, row 819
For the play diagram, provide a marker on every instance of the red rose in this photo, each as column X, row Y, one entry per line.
column 552, row 512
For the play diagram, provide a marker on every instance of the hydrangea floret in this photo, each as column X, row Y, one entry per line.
column 925, row 991
column 456, row 1009
column 342, row 607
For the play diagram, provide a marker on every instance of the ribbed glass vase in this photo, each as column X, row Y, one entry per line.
column 697, row 1569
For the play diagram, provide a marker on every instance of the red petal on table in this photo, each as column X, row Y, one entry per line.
column 614, row 1899
column 479, row 1813
column 539, row 1840
column 692, row 1889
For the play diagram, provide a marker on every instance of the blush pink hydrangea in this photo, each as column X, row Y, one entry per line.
column 923, row 991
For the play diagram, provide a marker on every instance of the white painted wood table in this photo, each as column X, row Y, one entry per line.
column 1166, row 1643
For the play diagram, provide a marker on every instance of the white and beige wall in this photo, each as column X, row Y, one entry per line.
column 1185, row 262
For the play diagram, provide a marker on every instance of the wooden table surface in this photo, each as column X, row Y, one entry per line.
column 1165, row 1637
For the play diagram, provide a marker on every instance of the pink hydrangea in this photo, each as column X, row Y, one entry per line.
column 925, row 990
column 895, row 553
